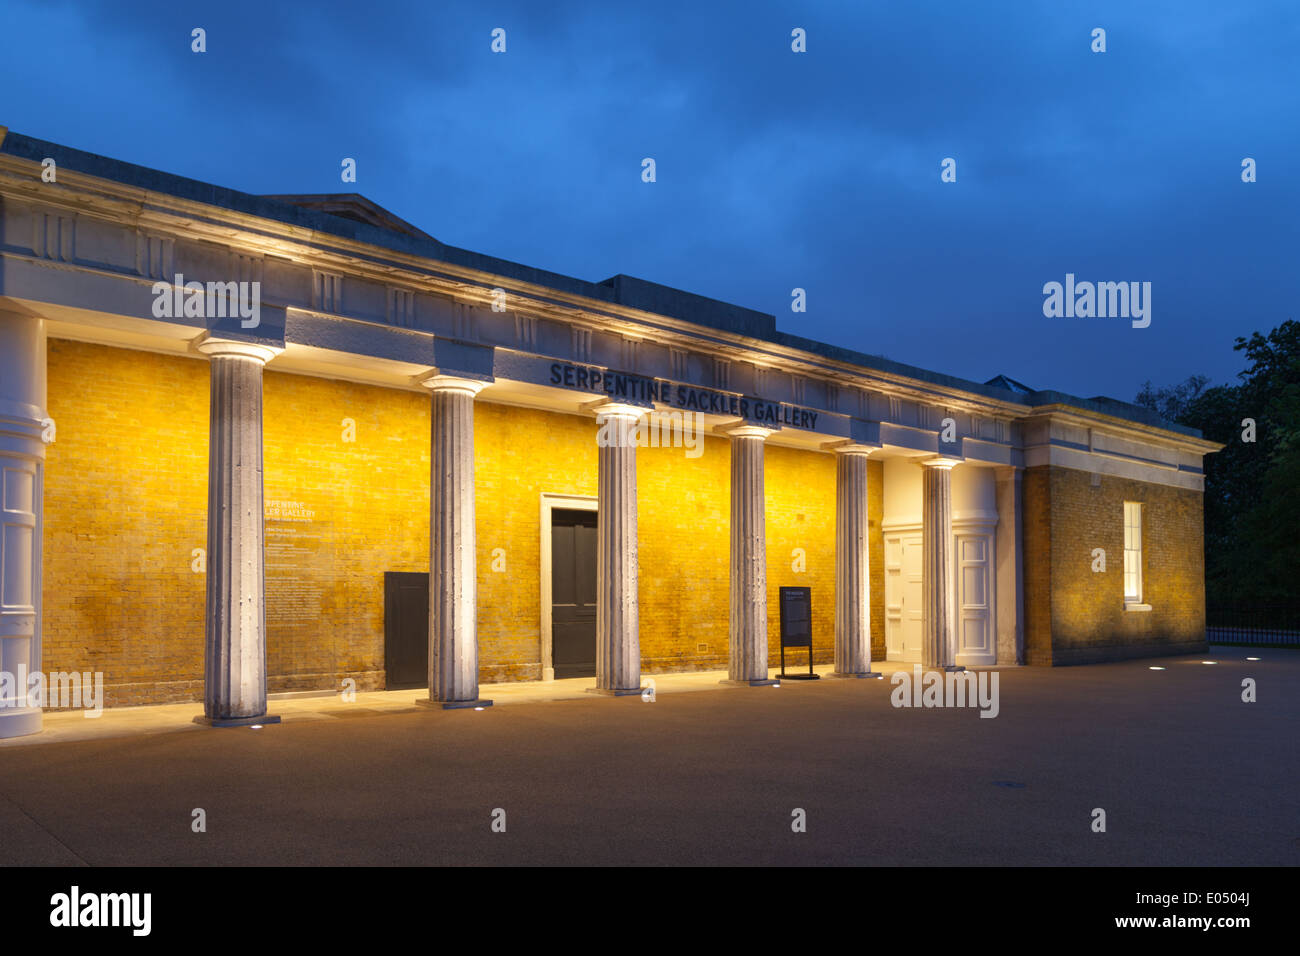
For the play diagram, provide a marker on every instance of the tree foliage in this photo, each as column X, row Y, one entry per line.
column 1252, row 511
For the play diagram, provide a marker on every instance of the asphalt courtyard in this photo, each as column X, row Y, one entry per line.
column 1186, row 772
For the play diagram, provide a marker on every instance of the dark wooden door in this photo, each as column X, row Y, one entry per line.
column 406, row 629
column 573, row 593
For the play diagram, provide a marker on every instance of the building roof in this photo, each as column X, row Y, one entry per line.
column 354, row 217
column 1010, row 384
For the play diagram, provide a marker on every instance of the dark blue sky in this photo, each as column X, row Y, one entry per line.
column 775, row 169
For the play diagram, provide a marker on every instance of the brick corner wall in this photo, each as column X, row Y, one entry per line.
column 1075, row 614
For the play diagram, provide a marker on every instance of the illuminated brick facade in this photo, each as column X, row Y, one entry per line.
column 140, row 418
column 347, row 496
column 1077, row 611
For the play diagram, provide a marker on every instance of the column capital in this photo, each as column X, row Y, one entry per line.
column 851, row 448
column 747, row 431
column 234, row 348
column 944, row 462
column 438, row 382
column 609, row 408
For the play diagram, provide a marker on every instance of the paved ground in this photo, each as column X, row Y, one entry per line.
column 1186, row 772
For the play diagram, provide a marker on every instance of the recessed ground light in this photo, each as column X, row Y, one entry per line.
column 256, row 726
column 1209, row 662
column 478, row 708
column 1155, row 668
column 1252, row 658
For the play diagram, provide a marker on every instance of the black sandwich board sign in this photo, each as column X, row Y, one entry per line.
column 796, row 627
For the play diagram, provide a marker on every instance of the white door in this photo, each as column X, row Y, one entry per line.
column 903, row 597
column 975, row 637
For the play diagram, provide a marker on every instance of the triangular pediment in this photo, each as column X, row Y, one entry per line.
column 352, row 206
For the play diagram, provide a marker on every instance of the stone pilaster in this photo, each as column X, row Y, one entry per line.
column 1010, row 566
column 22, row 476
column 618, row 641
column 234, row 689
column 453, row 593
column 852, row 564
column 937, row 564
column 748, row 637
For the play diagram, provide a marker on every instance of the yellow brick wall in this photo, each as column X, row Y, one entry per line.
column 519, row 454
column 368, row 499
column 1036, row 510
column 126, row 503
column 1076, row 615
column 683, row 521
column 126, row 497
column 800, row 488
column 685, row 552
column 1089, row 622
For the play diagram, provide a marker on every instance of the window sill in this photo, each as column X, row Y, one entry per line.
column 1128, row 606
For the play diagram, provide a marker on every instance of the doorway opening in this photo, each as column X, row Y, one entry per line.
column 573, row 593
column 406, row 629
column 568, row 586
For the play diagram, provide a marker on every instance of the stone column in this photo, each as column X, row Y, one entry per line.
column 937, row 564
column 1010, row 567
column 852, row 564
column 748, row 639
column 453, row 559
column 618, row 640
column 22, row 477
column 234, row 683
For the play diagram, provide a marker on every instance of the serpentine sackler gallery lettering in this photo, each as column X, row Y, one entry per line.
column 278, row 509
column 635, row 388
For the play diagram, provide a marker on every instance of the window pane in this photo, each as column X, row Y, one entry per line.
column 1133, row 551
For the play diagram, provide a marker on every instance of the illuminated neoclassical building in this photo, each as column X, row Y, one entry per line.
column 268, row 444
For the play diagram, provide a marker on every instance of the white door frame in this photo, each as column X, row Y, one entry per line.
column 550, row 502
column 900, row 530
column 975, row 524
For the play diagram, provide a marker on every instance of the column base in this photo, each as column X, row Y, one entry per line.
column 765, row 682
column 236, row 721
column 19, row 722
column 836, row 675
column 432, row 704
column 615, row 691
